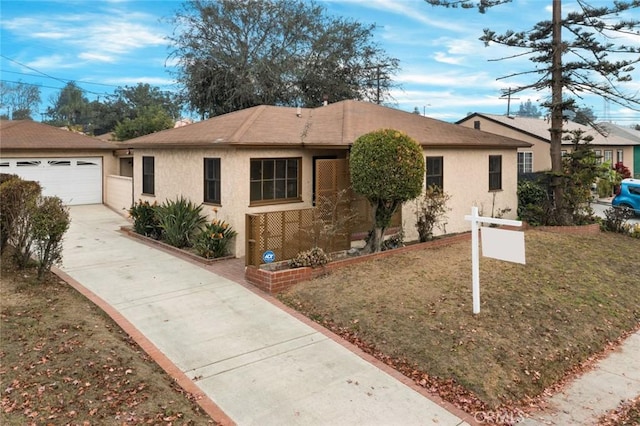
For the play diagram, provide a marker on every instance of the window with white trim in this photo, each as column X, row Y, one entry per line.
column 525, row 162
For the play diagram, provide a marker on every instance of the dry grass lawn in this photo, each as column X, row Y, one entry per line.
column 575, row 295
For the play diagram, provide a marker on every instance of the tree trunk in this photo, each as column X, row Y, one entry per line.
column 557, row 114
column 376, row 235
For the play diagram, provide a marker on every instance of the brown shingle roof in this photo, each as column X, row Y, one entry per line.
column 32, row 135
column 335, row 125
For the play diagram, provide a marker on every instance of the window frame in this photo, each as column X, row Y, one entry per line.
column 215, row 180
column 495, row 175
column 608, row 156
column 599, row 157
column 436, row 179
column 148, row 176
column 276, row 179
column 522, row 165
column 620, row 156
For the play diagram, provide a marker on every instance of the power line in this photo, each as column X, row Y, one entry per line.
column 60, row 79
column 52, row 87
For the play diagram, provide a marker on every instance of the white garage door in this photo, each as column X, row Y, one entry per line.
column 74, row 180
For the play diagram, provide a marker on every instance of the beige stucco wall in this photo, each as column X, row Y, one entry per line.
column 540, row 148
column 119, row 193
column 466, row 180
column 109, row 161
column 181, row 172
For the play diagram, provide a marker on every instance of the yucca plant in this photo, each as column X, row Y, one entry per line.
column 179, row 220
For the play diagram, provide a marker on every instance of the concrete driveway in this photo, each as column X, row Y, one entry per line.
column 259, row 364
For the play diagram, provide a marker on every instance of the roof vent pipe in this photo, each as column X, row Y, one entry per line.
column 299, row 112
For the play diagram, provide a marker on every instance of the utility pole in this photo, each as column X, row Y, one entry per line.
column 507, row 93
column 378, row 76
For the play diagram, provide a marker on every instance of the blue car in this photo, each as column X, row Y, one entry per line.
column 629, row 195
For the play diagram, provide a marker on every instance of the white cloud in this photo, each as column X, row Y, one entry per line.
column 51, row 62
column 99, row 36
column 453, row 79
column 129, row 81
column 446, row 59
column 412, row 9
column 96, row 57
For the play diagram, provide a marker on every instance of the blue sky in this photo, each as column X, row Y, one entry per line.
column 445, row 70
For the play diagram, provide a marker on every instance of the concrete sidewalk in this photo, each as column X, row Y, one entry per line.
column 614, row 379
column 259, row 364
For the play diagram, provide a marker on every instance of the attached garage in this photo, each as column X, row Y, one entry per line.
column 69, row 165
column 74, row 180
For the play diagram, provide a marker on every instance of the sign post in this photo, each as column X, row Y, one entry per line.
column 496, row 243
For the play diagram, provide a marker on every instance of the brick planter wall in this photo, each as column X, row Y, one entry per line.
column 277, row 281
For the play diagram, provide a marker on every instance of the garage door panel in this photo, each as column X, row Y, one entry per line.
column 74, row 180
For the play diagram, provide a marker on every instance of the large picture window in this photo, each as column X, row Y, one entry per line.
column 148, row 175
column 525, row 162
column 495, row 172
column 275, row 179
column 435, row 172
column 212, row 181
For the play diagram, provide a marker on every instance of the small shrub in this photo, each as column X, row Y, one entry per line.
column 214, row 240
column 313, row 258
column 6, row 222
column 50, row 221
column 616, row 219
column 634, row 231
column 145, row 220
column 179, row 219
column 605, row 188
column 18, row 203
column 430, row 211
column 532, row 197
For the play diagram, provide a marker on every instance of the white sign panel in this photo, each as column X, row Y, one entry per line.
column 503, row 244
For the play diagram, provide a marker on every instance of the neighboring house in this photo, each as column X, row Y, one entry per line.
column 270, row 158
column 612, row 147
column 69, row 165
column 627, row 133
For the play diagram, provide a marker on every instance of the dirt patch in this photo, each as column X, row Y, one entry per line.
column 63, row 361
column 539, row 322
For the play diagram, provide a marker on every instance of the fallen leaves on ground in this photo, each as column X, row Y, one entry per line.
column 63, row 361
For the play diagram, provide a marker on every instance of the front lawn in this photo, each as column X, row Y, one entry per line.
column 539, row 321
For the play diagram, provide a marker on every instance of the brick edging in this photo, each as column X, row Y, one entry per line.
column 209, row 407
column 169, row 248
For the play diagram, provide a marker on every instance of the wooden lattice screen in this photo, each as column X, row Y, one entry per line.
column 337, row 215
